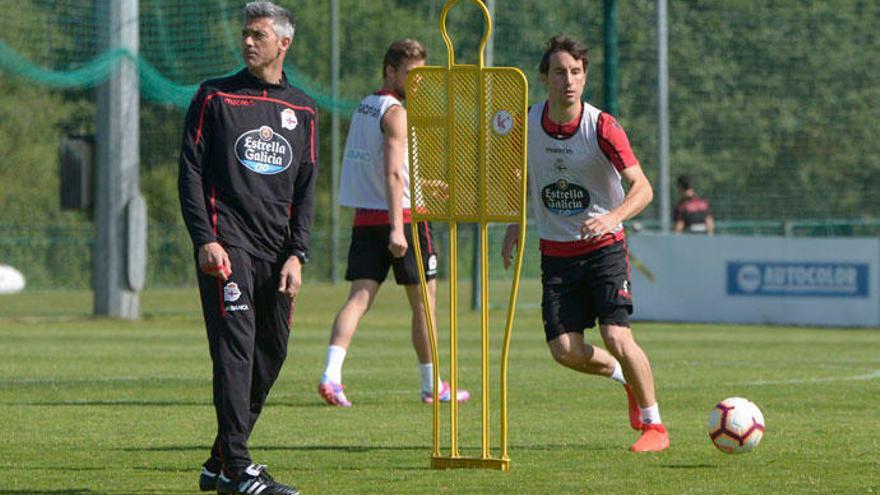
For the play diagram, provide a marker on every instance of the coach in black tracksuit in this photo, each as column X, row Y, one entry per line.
column 248, row 167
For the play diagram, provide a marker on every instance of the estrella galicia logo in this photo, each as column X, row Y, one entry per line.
column 263, row 151
column 797, row 279
column 565, row 198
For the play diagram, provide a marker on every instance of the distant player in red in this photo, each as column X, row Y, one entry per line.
column 692, row 213
column 577, row 156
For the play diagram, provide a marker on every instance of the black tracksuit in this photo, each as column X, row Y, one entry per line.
column 248, row 166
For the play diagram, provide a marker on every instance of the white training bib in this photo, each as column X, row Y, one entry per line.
column 570, row 179
column 362, row 182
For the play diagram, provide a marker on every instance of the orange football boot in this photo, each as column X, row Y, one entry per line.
column 654, row 439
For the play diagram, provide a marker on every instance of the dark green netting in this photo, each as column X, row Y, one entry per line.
column 181, row 44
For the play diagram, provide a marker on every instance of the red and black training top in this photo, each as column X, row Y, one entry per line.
column 249, row 164
column 693, row 211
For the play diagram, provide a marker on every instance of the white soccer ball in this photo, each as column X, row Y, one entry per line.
column 736, row 425
column 11, row 280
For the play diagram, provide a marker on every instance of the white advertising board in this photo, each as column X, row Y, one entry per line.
column 765, row 280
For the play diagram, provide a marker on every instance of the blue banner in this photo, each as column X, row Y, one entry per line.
column 799, row 279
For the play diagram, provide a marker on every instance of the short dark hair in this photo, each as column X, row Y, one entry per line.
column 564, row 43
column 400, row 50
column 685, row 182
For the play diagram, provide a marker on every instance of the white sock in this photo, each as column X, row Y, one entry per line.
column 617, row 374
column 651, row 415
column 333, row 368
column 426, row 372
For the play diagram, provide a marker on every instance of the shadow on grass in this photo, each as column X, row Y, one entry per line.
column 169, row 469
column 558, row 446
column 466, row 450
column 306, row 405
column 82, row 491
column 355, row 449
column 303, row 448
column 70, row 491
column 689, row 466
column 59, row 468
column 113, row 403
column 150, row 403
column 371, row 448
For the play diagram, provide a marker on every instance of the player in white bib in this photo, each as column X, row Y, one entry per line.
column 375, row 181
column 578, row 157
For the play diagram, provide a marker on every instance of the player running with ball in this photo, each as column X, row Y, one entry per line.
column 577, row 157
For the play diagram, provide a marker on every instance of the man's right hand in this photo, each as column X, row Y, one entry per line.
column 511, row 238
column 397, row 242
column 214, row 261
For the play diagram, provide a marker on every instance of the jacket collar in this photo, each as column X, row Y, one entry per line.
column 252, row 80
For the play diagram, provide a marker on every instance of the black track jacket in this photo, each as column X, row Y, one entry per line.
column 248, row 166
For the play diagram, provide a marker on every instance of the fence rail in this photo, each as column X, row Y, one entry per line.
column 60, row 257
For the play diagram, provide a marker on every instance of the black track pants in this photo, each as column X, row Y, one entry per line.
column 248, row 323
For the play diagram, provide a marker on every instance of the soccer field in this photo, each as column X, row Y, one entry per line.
column 98, row 406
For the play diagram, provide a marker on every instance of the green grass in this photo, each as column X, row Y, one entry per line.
column 103, row 406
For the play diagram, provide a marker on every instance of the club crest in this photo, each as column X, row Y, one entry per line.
column 288, row 119
column 231, row 292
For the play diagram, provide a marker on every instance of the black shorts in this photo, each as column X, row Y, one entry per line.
column 369, row 257
column 580, row 289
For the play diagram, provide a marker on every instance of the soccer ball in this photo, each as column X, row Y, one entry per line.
column 736, row 425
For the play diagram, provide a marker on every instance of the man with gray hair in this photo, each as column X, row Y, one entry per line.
column 248, row 167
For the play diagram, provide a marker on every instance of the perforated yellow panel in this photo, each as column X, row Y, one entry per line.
column 453, row 114
column 467, row 145
column 426, row 120
column 504, row 130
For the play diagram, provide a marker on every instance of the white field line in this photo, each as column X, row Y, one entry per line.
column 854, row 378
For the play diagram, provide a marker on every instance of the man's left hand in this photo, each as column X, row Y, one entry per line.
column 290, row 278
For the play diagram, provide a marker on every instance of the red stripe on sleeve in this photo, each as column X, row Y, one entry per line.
column 614, row 143
column 312, row 150
column 214, row 209
column 202, row 116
